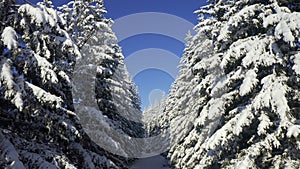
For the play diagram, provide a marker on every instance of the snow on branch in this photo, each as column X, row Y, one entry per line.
column 233, row 127
column 286, row 26
column 264, row 124
column 249, row 82
column 9, row 38
column 238, row 20
column 12, row 89
column 45, row 97
column 273, row 96
column 40, row 15
column 253, row 51
column 47, row 72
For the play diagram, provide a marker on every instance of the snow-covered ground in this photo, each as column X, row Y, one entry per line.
column 155, row 162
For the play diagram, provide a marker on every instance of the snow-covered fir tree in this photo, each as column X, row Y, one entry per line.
column 236, row 101
column 39, row 127
column 156, row 134
column 116, row 95
column 84, row 18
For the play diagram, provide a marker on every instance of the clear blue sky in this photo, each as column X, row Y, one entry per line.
column 151, row 79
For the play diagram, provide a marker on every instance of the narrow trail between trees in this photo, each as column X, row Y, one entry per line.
column 155, row 162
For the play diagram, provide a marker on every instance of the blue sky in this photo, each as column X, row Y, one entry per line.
column 148, row 81
column 151, row 82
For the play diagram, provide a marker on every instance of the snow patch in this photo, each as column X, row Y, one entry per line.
column 294, row 131
column 9, row 38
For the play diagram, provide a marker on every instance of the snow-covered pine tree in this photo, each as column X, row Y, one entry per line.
column 38, row 126
column 116, row 95
column 157, row 133
column 84, row 18
column 239, row 79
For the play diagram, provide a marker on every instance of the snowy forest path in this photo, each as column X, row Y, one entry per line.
column 155, row 162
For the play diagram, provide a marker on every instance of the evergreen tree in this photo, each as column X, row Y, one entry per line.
column 38, row 126
column 239, row 79
column 116, row 95
column 84, row 19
